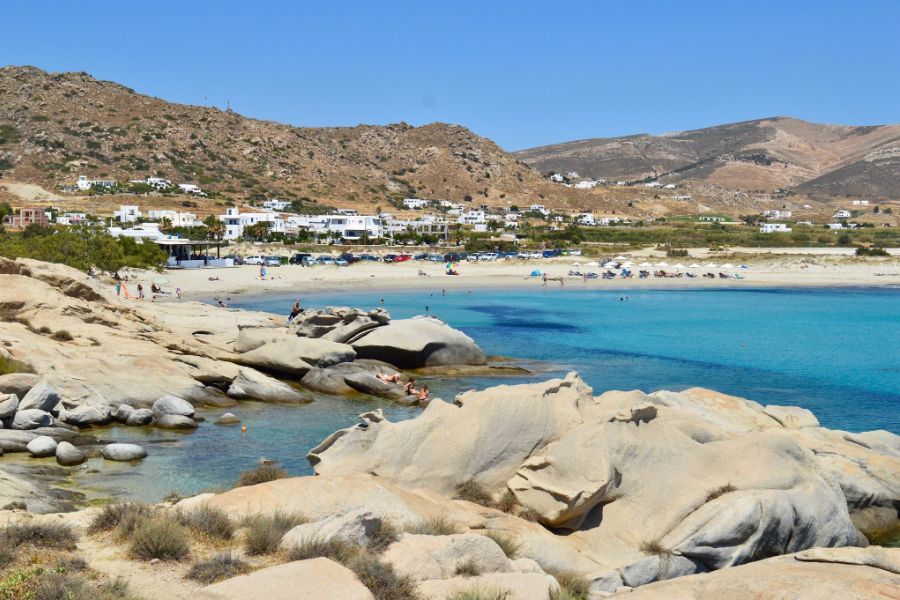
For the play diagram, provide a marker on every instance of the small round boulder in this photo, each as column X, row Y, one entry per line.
column 175, row 422
column 41, row 446
column 228, row 419
column 123, row 452
column 68, row 455
column 172, row 405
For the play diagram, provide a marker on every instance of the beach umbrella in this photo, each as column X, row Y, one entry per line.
column 662, row 264
column 536, row 273
column 645, row 264
column 695, row 266
column 710, row 265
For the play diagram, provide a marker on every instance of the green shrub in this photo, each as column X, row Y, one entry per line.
column 439, row 525
column 475, row 593
column 264, row 532
column 509, row 546
column 261, row 474
column 218, row 567
column 160, row 536
column 335, row 549
column 507, row 503
column 211, row 522
column 61, row 336
column 863, row 251
column 7, row 554
column 47, row 534
column 381, row 579
column 10, row 365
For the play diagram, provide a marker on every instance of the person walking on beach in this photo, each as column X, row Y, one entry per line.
column 140, row 292
column 118, row 288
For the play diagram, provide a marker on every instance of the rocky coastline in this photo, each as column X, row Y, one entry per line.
column 538, row 485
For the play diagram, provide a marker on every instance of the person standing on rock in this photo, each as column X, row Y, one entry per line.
column 295, row 310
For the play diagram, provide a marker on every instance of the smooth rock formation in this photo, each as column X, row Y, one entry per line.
column 43, row 396
column 17, row 440
column 337, row 324
column 517, row 586
column 331, row 380
column 133, row 417
column 68, row 455
column 41, row 447
column 172, row 405
column 419, row 342
column 315, row 579
column 792, row 417
column 31, row 418
column 714, row 479
column 840, row 574
column 89, row 414
column 253, row 385
column 423, row 557
column 9, row 404
column 282, row 351
column 228, row 419
column 123, row 452
column 355, row 526
column 18, row 383
column 175, row 422
column 367, row 383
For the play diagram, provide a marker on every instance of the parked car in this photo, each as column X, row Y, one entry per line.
column 254, row 260
column 348, row 258
column 389, row 258
column 524, row 255
column 325, row 259
column 301, row 258
column 273, row 261
column 536, row 255
column 403, row 258
column 488, row 256
column 435, row 258
column 367, row 257
column 234, row 258
column 452, row 257
column 550, row 253
column 421, row 256
column 574, row 252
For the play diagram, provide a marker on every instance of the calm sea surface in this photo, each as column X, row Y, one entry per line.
column 836, row 352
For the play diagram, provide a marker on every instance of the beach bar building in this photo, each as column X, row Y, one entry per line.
column 187, row 254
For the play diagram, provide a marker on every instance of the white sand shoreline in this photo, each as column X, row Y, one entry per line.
column 791, row 271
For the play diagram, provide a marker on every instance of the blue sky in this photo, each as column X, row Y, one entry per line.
column 523, row 73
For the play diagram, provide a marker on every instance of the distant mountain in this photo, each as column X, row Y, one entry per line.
column 55, row 126
column 761, row 155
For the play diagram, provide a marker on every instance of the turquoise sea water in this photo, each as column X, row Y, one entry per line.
column 835, row 351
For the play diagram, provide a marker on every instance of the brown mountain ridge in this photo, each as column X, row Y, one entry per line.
column 761, row 155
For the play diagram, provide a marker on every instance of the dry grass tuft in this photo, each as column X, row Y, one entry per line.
column 386, row 535
column 216, row 568
column 652, row 547
column 473, row 492
column 381, row 579
column 122, row 517
column 261, row 474
column 468, row 568
column 213, row 523
column 475, row 593
column 725, row 489
column 39, row 535
column 506, row 542
column 161, row 536
column 264, row 532
column 571, row 587
column 439, row 525
column 62, row 336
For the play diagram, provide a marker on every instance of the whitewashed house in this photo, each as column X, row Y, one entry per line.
column 774, row 228
column 235, row 222
column 84, row 184
column 539, row 208
column 586, row 219
column 586, row 184
column 176, row 218
column 777, row 214
column 842, row 214
column 71, row 218
column 670, row 186
column 557, row 177
column 860, row 203
column 128, row 213
column 276, row 204
column 472, row 217
column 189, row 188
column 416, row 203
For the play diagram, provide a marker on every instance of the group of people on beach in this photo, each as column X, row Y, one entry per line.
column 121, row 287
column 409, row 387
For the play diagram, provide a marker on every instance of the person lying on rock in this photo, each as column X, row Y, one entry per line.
column 410, row 387
column 395, row 378
column 423, row 393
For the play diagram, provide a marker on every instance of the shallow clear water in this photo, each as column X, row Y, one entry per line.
column 836, row 352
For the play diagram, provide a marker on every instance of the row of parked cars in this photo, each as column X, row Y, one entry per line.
column 307, row 259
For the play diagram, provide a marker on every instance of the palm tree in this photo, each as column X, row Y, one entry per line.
column 215, row 228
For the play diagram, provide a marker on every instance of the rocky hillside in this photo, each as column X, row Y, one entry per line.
column 761, row 155
column 55, row 126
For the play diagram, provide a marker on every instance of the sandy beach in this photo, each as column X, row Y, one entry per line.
column 765, row 269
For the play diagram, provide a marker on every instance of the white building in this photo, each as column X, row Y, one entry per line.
column 586, row 219
column 83, row 183
column 158, row 182
column 842, row 214
column 235, row 222
column 573, row 175
column 128, row 213
column 777, row 214
column 275, row 204
column 586, row 184
column 439, row 228
column 670, row 186
column 189, row 188
column 860, row 203
column 177, row 219
column 835, row 226
column 347, row 212
column 774, row 228
column 557, row 177
column 472, row 217
column 653, row 184
column 539, row 208
column 144, row 231
column 71, row 218
column 416, row 203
